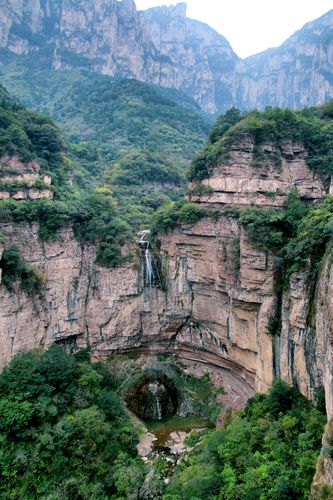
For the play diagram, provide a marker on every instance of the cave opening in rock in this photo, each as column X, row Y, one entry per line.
column 153, row 397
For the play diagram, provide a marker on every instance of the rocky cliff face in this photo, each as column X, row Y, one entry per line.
column 22, row 181
column 242, row 180
column 193, row 57
column 296, row 74
column 218, row 294
column 217, row 298
column 160, row 46
column 322, row 486
column 164, row 47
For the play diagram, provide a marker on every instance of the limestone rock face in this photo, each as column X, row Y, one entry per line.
column 160, row 45
column 322, row 486
column 192, row 57
column 216, row 302
column 304, row 350
column 21, row 180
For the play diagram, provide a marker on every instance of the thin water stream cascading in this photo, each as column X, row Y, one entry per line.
column 153, row 387
column 149, row 274
column 153, row 397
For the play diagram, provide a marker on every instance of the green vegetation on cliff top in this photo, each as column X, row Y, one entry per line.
column 128, row 145
column 298, row 233
column 127, row 149
column 130, row 132
column 311, row 126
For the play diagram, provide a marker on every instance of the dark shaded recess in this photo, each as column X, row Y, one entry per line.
column 141, row 401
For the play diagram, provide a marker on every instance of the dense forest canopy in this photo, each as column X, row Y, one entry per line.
column 268, row 452
column 63, row 431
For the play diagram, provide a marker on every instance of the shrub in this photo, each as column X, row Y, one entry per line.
column 201, row 189
column 175, row 213
column 274, row 325
column 14, row 268
column 312, row 127
column 63, row 432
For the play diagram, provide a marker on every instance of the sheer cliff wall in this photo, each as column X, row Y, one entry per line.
column 218, row 294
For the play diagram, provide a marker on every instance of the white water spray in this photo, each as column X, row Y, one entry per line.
column 153, row 387
column 149, row 277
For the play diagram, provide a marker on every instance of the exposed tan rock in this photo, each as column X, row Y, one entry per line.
column 160, row 45
column 209, row 313
column 24, row 176
column 163, row 46
column 240, row 180
column 16, row 165
column 218, row 299
column 296, row 74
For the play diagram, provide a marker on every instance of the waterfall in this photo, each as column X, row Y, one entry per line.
column 152, row 276
column 149, row 275
column 153, row 387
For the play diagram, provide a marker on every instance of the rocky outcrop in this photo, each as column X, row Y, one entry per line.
column 211, row 308
column 160, row 45
column 304, row 350
column 22, row 180
column 164, row 47
column 242, row 179
column 192, row 57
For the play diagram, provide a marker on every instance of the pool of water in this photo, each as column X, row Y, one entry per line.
column 162, row 429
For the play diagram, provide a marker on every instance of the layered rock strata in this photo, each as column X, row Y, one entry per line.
column 215, row 302
column 241, row 180
column 218, row 291
column 322, row 486
column 296, row 74
column 160, row 45
column 19, row 180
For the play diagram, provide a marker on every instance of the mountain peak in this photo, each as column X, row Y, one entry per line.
column 178, row 10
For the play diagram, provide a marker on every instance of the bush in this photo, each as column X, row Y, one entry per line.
column 93, row 216
column 14, row 268
column 312, row 127
column 173, row 214
column 215, row 147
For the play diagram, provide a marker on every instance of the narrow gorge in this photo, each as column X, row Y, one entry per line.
column 166, row 274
